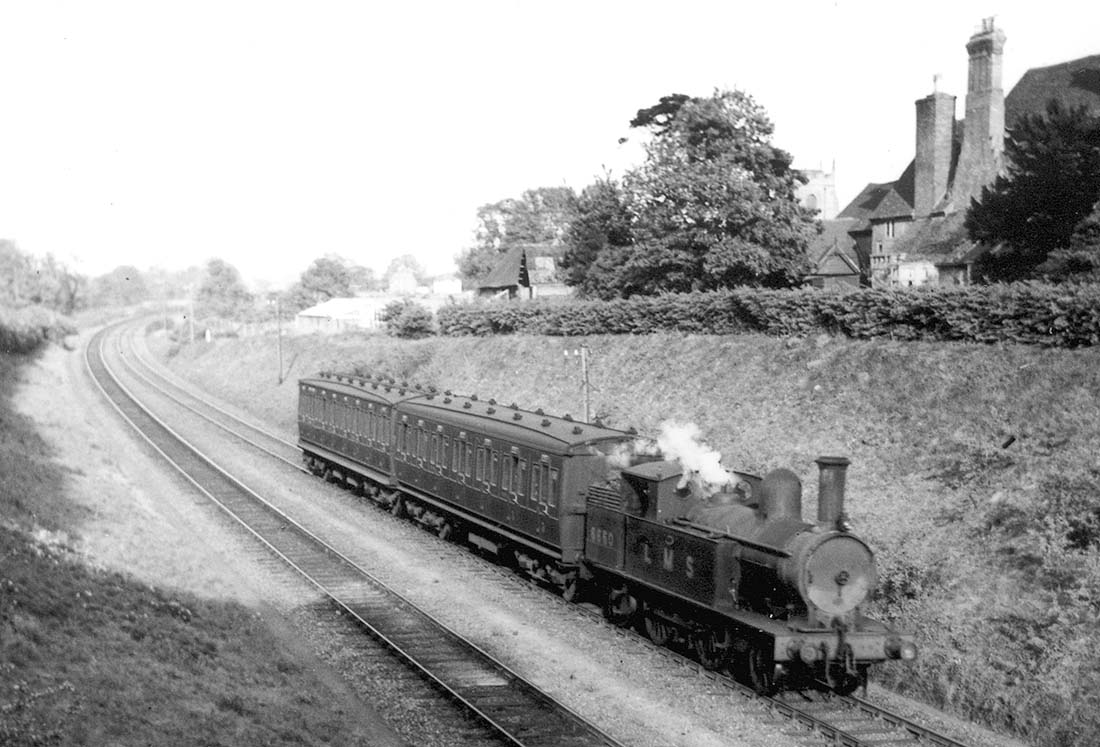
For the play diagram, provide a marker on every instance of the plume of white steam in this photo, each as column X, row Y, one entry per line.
column 702, row 464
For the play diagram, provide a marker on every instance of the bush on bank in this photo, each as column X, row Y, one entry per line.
column 1064, row 316
column 23, row 330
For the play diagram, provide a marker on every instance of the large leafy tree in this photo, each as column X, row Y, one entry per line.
column 122, row 286
column 538, row 216
column 601, row 231
column 328, row 277
column 713, row 206
column 222, row 292
column 27, row 279
column 1051, row 184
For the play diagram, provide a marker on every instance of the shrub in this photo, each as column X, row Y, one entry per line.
column 407, row 318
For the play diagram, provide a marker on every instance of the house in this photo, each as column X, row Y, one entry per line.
column 525, row 271
column 912, row 229
column 836, row 258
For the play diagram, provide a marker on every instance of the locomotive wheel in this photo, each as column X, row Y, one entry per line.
column 657, row 629
column 711, row 648
column 761, row 670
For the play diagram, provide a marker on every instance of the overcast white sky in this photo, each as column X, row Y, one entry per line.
column 271, row 133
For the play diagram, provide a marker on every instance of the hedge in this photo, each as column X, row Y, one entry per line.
column 1065, row 316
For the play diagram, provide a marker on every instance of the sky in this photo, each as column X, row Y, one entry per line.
column 272, row 133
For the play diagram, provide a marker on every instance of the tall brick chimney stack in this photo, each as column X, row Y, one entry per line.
column 935, row 131
column 984, row 128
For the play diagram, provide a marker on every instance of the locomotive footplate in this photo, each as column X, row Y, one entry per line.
column 871, row 643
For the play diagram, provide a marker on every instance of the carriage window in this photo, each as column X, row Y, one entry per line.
column 435, row 450
column 523, row 477
column 456, row 458
column 536, row 485
column 480, row 463
column 494, row 474
column 423, row 444
column 469, row 460
column 508, row 471
column 547, row 494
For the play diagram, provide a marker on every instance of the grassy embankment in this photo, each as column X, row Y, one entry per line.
column 974, row 474
column 92, row 657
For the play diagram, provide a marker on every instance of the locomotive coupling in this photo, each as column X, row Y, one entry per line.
column 830, row 494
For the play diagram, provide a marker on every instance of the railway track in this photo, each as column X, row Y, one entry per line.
column 515, row 711
column 834, row 720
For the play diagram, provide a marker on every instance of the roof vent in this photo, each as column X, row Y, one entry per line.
column 515, row 406
column 491, row 410
column 374, row 385
column 546, row 422
column 492, row 401
column 401, row 391
column 598, row 423
column 446, row 400
column 447, row 392
column 568, row 417
column 632, row 431
column 473, row 397
column 517, row 416
column 466, row 405
column 576, row 430
column 539, row 412
column 418, row 388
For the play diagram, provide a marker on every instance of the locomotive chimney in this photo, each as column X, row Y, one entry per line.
column 830, row 496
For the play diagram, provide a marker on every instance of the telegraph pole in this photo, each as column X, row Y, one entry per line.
column 582, row 353
column 279, row 334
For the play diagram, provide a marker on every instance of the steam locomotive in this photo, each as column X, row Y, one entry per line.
column 737, row 577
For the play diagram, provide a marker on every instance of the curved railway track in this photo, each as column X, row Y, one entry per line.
column 834, row 720
column 517, row 712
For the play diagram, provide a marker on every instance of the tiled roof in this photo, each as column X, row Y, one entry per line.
column 943, row 239
column 1073, row 83
column 834, row 251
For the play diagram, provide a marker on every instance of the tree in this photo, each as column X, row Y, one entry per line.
column 31, row 280
column 327, row 277
column 221, row 293
column 713, row 206
column 601, row 224
column 1081, row 260
column 1051, row 183
column 122, row 286
column 405, row 264
column 538, row 216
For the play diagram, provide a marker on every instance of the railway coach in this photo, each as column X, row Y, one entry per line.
column 509, row 481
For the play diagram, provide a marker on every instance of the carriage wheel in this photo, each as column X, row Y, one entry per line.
column 397, row 508
column 444, row 531
column 571, row 590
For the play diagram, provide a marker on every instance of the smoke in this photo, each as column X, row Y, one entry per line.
column 702, row 465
